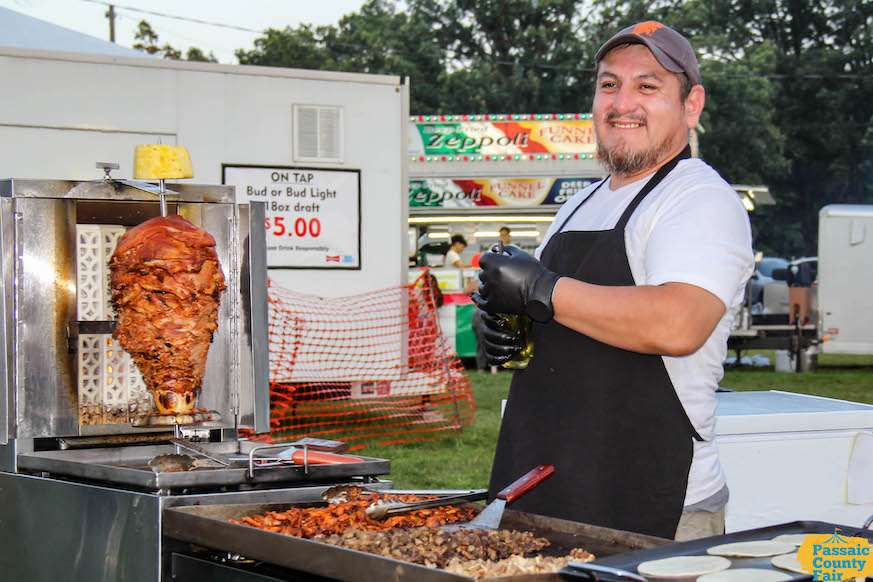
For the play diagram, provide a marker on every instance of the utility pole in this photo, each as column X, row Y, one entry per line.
column 110, row 14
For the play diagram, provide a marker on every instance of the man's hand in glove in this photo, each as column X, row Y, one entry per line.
column 501, row 343
column 515, row 282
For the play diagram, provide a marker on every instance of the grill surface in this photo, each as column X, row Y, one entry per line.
column 208, row 526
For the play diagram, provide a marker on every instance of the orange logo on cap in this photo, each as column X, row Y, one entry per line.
column 647, row 28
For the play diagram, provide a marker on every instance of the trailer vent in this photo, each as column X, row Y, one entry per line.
column 318, row 133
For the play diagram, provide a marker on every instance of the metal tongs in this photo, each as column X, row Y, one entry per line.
column 387, row 507
column 179, row 461
column 216, row 457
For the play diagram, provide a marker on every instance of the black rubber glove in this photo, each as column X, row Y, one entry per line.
column 515, row 282
column 501, row 343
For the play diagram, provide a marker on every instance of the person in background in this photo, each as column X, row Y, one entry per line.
column 453, row 256
column 476, row 320
column 632, row 300
column 505, row 235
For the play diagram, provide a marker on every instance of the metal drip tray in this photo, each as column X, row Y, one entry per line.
column 128, row 466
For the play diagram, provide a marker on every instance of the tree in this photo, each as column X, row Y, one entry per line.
column 302, row 48
column 513, row 55
column 818, row 60
column 462, row 55
column 195, row 54
column 788, row 83
column 378, row 39
column 382, row 39
column 148, row 43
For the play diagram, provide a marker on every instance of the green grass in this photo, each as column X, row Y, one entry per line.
column 846, row 377
column 455, row 463
column 465, row 462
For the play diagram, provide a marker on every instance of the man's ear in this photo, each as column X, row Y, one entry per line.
column 694, row 105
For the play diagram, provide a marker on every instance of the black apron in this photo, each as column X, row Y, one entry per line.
column 608, row 419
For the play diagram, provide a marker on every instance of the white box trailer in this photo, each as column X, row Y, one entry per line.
column 845, row 279
column 326, row 150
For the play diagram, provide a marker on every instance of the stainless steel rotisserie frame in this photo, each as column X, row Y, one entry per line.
column 67, row 510
column 38, row 373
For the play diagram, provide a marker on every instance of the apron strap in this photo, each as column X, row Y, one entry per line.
column 655, row 180
column 578, row 206
column 651, row 185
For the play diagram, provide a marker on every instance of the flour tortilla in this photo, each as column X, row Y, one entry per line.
column 755, row 549
column 683, row 566
column 788, row 562
column 746, row 575
column 796, row 539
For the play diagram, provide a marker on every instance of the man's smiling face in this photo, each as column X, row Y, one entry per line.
column 640, row 119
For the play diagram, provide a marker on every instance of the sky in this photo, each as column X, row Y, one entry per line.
column 89, row 18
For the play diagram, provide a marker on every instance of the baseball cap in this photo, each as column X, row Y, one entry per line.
column 670, row 49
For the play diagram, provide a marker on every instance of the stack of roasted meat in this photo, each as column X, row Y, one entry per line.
column 166, row 285
column 416, row 537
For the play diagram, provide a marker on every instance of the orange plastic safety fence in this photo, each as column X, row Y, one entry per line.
column 365, row 369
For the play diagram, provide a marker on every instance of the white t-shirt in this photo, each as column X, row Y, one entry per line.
column 692, row 228
column 451, row 257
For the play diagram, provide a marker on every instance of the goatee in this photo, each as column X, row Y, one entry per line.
column 622, row 161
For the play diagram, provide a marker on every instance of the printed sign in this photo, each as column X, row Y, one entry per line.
column 502, row 137
column 834, row 557
column 313, row 215
column 520, row 192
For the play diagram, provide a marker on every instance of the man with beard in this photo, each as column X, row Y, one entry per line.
column 632, row 295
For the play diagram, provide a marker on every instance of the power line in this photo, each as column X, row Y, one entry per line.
column 458, row 55
column 175, row 33
column 186, row 19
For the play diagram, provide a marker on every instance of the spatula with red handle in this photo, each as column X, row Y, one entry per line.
column 490, row 517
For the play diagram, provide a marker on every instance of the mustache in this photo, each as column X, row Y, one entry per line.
column 614, row 116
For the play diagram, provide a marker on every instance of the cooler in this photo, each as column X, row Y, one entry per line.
column 787, row 457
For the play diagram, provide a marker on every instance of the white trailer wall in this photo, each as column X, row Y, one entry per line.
column 62, row 112
column 845, row 278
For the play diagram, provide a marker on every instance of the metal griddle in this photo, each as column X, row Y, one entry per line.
column 208, row 526
column 128, row 466
column 630, row 560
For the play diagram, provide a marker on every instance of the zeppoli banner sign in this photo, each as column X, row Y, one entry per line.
column 313, row 215
column 519, row 192
column 502, row 137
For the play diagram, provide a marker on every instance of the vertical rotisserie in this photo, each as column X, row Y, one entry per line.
column 166, row 286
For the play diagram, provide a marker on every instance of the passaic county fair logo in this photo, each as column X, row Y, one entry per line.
column 834, row 557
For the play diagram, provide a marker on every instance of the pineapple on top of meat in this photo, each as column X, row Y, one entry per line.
column 166, row 286
column 161, row 162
